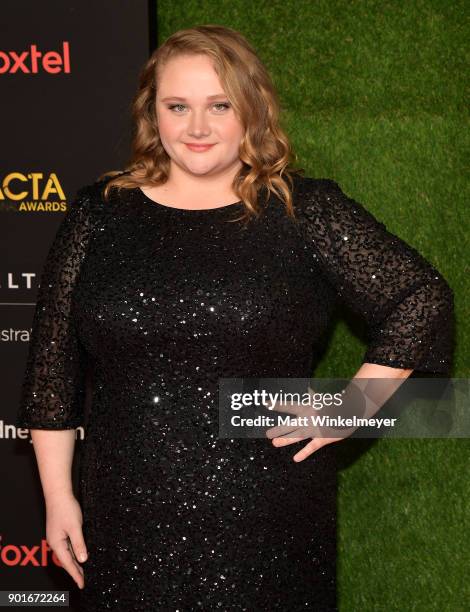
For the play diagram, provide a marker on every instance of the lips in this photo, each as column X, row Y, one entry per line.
column 198, row 147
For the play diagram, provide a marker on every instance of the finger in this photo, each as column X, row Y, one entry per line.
column 300, row 434
column 308, row 449
column 285, row 441
column 78, row 543
column 313, row 446
column 75, row 560
column 67, row 561
column 279, row 430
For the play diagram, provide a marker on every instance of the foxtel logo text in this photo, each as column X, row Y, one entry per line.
column 12, row 554
column 34, row 61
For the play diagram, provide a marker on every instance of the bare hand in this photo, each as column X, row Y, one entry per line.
column 64, row 534
column 308, row 449
column 300, row 429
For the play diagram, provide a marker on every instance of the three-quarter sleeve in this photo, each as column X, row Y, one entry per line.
column 53, row 386
column 407, row 305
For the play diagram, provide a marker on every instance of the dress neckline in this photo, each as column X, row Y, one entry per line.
column 156, row 204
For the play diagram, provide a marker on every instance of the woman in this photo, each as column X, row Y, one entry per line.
column 208, row 257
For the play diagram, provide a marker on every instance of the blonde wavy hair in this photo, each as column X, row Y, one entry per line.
column 265, row 151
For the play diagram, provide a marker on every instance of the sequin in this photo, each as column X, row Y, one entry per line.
column 151, row 305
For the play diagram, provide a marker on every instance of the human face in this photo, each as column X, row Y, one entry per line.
column 192, row 107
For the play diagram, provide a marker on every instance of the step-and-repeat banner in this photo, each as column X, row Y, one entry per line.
column 68, row 73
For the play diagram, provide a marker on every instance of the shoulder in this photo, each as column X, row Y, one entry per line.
column 95, row 188
column 91, row 196
column 309, row 190
column 312, row 195
column 305, row 185
column 325, row 199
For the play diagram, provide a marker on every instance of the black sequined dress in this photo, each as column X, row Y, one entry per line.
column 155, row 304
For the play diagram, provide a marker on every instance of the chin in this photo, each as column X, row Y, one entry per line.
column 201, row 170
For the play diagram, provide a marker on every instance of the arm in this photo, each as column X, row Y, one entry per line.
column 53, row 390
column 405, row 302
column 54, row 452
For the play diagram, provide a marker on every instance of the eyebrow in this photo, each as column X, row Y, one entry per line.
column 213, row 97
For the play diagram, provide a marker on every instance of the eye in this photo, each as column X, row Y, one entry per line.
column 172, row 106
column 222, row 106
column 225, row 105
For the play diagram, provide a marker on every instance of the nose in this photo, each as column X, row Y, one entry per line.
column 198, row 124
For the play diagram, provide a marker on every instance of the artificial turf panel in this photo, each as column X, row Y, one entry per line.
column 373, row 96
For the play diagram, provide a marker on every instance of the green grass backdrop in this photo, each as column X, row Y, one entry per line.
column 373, row 95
